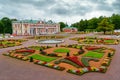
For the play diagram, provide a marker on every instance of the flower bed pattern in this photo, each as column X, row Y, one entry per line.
column 10, row 43
column 95, row 40
column 75, row 64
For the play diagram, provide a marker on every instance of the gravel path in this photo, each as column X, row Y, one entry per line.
column 13, row 69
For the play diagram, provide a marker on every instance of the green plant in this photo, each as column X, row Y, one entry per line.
column 31, row 59
column 43, row 58
column 94, row 54
column 61, row 50
column 86, row 60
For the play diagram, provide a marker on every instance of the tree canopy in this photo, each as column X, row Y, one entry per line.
column 92, row 24
column 62, row 25
column 104, row 26
column 5, row 25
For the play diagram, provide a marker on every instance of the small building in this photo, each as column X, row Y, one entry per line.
column 34, row 27
column 117, row 30
column 70, row 29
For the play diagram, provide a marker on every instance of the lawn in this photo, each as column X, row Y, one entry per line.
column 109, row 41
column 94, row 54
column 43, row 58
column 62, row 50
column 99, row 50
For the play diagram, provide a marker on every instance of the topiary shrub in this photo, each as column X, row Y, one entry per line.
column 43, row 52
column 52, row 54
column 31, row 59
column 68, row 54
column 109, row 55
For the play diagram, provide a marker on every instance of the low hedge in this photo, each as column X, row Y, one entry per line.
column 49, row 65
column 86, row 60
column 84, row 70
column 67, row 61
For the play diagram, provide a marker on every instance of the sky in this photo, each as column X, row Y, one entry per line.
column 68, row 11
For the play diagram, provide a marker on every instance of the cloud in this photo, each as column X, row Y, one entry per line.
column 64, row 10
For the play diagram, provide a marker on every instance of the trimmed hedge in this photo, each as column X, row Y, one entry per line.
column 67, row 61
column 85, row 60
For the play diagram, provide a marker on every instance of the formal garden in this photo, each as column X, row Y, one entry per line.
column 75, row 59
column 43, row 37
column 95, row 40
column 11, row 43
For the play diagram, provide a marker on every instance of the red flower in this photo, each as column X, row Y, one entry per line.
column 75, row 60
column 89, row 68
column 91, row 48
column 32, row 51
column 78, row 71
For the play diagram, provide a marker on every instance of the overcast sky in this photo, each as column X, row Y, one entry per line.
column 69, row 11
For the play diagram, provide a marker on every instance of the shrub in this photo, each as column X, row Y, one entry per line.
column 68, row 54
column 31, row 59
column 109, row 54
column 52, row 54
column 85, row 60
column 80, row 51
column 43, row 52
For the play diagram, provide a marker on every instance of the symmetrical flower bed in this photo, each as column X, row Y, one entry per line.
column 47, row 37
column 79, row 60
column 10, row 43
column 95, row 40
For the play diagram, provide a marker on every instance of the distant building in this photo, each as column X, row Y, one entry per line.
column 118, row 30
column 70, row 29
column 34, row 27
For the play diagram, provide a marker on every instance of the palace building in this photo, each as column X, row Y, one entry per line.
column 34, row 27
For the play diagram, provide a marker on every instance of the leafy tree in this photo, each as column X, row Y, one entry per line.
column 75, row 25
column 7, row 25
column 115, row 19
column 93, row 23
column 1, row 27
column 62, row 25
column 81, row 25
column 14, row 19
column 104, row 26
column 50, row 21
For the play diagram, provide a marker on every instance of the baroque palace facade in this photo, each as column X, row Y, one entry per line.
column 34, row 27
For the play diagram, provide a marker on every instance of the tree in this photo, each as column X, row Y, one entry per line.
column 1, row 27
column 50, row 21
column 115, row 19
column 7, row 25
column 104, row 26
column 62, row 25
column 81, row 25
column 93, row 23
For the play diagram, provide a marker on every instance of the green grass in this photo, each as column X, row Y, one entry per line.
column 99, row 50
column 94, row 54
column 78, row 46
column 109, row 41
column 43, row 58
column 62, row 50
column 36, row 47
